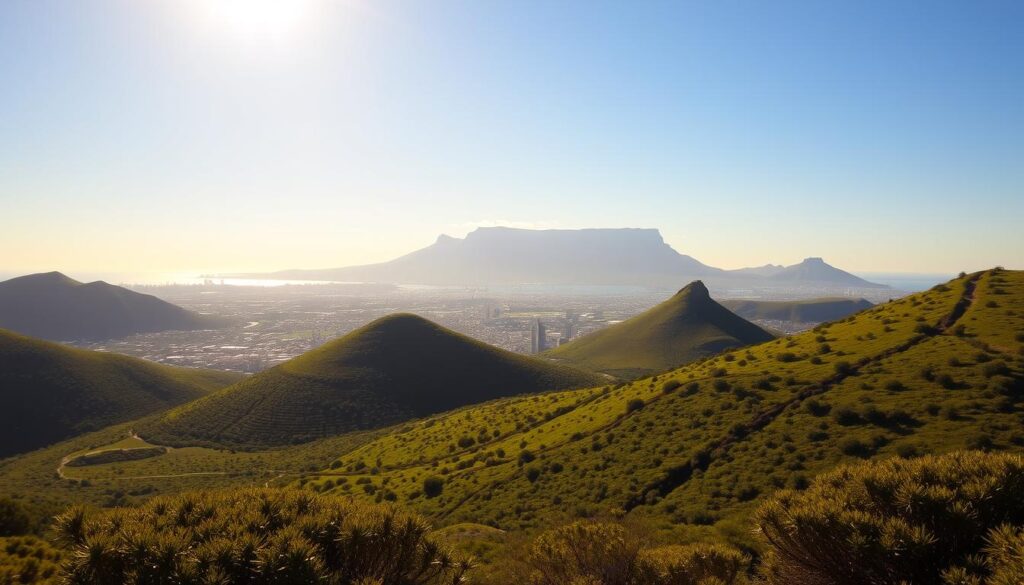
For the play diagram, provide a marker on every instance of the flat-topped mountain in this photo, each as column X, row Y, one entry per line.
column 686, row 327
column 803, row 311
column 52, row 306
column 499, row 255
column 393, row 369
column 50, row 392
column 509, row 256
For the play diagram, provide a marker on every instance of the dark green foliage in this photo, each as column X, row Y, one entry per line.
column 596, row 553
column 396, row 368
column 14, row 518
column 254, row 536
column 670, row 386
column 433, row 486
column 27, row 559
column 52, row 391
column 946, row 519
column 634, row 405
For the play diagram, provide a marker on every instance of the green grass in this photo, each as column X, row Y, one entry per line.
column 695, row 461
column 803, row 311
column 687, row 327
column 51, row 391
column 394, row 369
column 28, row 559
column 688, row 453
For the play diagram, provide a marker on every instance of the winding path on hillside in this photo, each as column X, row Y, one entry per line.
column 679, row 475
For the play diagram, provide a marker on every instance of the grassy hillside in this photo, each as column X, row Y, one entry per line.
column 55, row 307
column 687, row 454
column 692, row 451
column 804, row 311
column 687, row 327
column 51, row 392
column 396, row 368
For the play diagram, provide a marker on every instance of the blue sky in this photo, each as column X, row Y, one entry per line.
column 231, row 135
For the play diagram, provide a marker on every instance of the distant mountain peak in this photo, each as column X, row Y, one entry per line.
column 695, row 290
column 395, row 368
column 50, row 305
column 813, row 260
column 684, row 328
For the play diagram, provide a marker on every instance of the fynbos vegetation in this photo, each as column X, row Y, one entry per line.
column 254, row 536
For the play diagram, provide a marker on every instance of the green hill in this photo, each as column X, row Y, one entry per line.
column 803, row 311
column 52, row 306
column 686, row 455
column 687, row 327
column 693, row 451
column 51, row 392
column 396, row 368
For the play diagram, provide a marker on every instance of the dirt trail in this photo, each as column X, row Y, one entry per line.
column 679, row 475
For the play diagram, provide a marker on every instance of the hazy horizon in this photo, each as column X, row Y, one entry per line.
column 244, row 136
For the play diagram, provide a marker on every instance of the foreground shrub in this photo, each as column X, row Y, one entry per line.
column 693, row 564
column 595, row 553
column 253, row 536
column 952, row 519
column 14, row 519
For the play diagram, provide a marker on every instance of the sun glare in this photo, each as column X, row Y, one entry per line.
column 258, row 19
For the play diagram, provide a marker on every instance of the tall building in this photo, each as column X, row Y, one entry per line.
column 538, row 337
column 569, row 331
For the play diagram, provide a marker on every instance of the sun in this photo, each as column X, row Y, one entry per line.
column 274, row 20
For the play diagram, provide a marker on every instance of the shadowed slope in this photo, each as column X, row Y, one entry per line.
column 51, row 392
column 393, row 369
column 52, row 306
column 806, row 311
column 688, row 326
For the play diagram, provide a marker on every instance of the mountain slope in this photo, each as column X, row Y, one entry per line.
column 52, row 306
column 694, row 450
column 617, row 257
column 805, row 311
column 50, row 392
column 688, row 326
column 500, row 255
column 393, row 369
column 815, row 271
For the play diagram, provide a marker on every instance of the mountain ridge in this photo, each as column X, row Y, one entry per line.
column 395, row 368
column 592, row 256
column 52, row 392
column 55, row 307
column 688, row 326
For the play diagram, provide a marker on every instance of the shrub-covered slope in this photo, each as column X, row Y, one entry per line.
column 698, row 447
column 805, row 311
column 687, row 327
column 50, row 391
column 55, row 307
column 396, row 368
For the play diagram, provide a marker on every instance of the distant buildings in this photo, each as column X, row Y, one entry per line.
column 538, row 337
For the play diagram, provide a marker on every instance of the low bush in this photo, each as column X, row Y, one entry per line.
column 950, row 519
column 599, row 553
column 253, row 536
